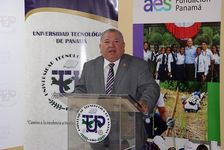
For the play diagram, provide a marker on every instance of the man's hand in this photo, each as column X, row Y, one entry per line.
column 143, row 106
column 203, row 77
column 170, row 74
column 170, row 122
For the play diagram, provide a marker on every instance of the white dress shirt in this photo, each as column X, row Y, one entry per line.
column 216, row 58
column 208, row 54
column 202, row 65
column 107, row 67
column 169, row 61
column 159, row 61
column 147, row 55
column 180, row 59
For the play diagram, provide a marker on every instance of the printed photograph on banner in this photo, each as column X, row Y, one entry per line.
column 187, row 104
column 185, row 110
column 183, row 51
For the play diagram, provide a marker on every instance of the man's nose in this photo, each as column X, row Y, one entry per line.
column 111, row 44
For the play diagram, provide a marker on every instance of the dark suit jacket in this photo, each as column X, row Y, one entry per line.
column 133, row 77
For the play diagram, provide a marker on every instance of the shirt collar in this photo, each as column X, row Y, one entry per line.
column 106, row 62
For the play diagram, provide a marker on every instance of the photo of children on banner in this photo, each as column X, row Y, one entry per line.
column 160, row 120
column 201, row 65
column 182, row 63
column 186, row 57
column 215, row 66
column 161, row 66
column 155, row 54
column 151, row 55
column 193, row 103
column 179, row 112
column 179, row 68
column 209, row 56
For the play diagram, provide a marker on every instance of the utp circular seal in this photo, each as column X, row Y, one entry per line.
column 60, row 75
column 93, row 123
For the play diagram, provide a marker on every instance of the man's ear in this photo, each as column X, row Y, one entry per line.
column 100, row 48
column 124, row 45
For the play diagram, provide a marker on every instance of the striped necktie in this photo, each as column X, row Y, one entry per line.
column 110, row 79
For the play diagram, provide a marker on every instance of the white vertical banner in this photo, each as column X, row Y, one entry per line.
column 164, row 26
column 12, row 70
column 59, row 42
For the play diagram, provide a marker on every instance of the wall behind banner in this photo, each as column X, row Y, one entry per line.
column 12, row 70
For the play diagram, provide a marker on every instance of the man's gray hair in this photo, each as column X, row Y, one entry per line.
column 111, row 30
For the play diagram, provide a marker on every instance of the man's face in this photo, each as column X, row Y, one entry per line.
column 112, row 46
column 204, row 46
column 189, row 42
column 174, row 48
column 156, row 48
column 198, row 51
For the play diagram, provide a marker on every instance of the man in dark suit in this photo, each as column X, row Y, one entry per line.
column 131, row 75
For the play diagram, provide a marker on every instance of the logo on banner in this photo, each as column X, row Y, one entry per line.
column 7, row 23
column 7, row 97
column 60, row 76
column 157, row 5
column 93, row 123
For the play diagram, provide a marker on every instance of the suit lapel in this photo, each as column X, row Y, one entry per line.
column 122, row 68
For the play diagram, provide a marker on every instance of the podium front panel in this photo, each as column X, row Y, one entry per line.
column 125, row 123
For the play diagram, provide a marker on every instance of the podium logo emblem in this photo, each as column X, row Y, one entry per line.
column 93, row 123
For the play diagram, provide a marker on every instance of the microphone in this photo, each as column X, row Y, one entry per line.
column 146, row 115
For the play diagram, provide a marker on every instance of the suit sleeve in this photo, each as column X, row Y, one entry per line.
column 148, row 89
column 81, row 86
